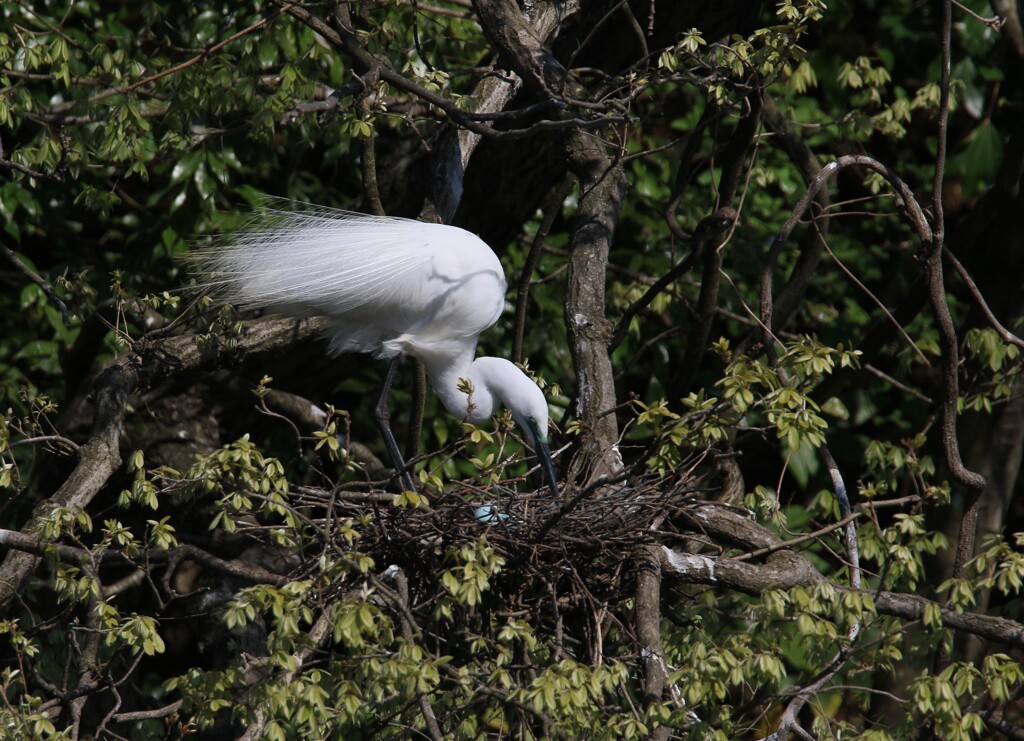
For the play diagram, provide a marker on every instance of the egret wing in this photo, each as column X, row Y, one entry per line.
column 322, row 262
column 387, row 276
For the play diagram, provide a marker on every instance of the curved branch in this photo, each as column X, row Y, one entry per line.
column 1006, row 335
column 711, row 233
column 949, row 404
column 43, row 284
column 932, row 250
column 907, row 200
column 792, row 570
column 28, row 544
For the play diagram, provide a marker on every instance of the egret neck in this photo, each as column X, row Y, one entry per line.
column 494, row 382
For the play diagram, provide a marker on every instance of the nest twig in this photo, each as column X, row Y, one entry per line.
column 534, row 534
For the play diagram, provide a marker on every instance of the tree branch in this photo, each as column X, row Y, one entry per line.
column 648, row 631
column 347, row 40
column 786, row 569
column 1006, row 335
column 933, row 250
column 43, row 284
column 138, row 715
column 711, row 237
column 152, row 361
column 907, row 200
column 551, row 212
column 18, row 541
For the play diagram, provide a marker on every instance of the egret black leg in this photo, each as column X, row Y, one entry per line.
column 383, row 417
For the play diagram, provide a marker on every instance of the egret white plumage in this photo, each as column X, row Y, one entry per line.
column 388, row 287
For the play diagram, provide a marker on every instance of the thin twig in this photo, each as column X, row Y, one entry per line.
column 201, row 56
column 43, row 284
column 896, row 384
column 888, row 315
column 29, row 544
column 995, row 22
column 1006, row 335
column 788, row 544
column 551, row 212
column 46, row 439
column 348, row 40
column 138, row 715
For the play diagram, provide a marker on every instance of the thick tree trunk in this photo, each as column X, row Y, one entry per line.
column 603, row 186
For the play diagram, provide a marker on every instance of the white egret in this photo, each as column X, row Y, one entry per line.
column 388, row 287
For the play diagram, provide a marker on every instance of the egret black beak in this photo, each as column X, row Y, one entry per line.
column 540, row 445
column 544, row 456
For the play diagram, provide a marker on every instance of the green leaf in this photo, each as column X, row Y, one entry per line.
column 979, row 163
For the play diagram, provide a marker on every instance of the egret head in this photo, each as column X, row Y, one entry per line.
column 497, row 381
column 530, row 410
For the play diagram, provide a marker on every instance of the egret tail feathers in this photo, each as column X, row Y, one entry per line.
column 301, row 262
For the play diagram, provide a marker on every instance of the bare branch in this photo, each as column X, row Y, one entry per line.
column 138, row 715
column 995, row 22
column 933, row 250
column 785, row 570
column 1005, row 334
column 43, row 284
column 28, row 544
column 907, row 199
column 551, row 212
column 648, row 631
